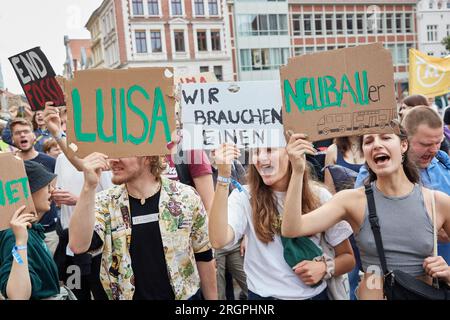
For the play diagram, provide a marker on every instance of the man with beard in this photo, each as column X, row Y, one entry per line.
column 425, row 134
column 169, row 250
column 23, row 139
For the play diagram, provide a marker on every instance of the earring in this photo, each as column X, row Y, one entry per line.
column 403, row 157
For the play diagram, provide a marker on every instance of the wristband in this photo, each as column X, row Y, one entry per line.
column 223, row 180
column 59, row 136
column 16, row 254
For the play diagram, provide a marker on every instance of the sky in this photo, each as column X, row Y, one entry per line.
column 25, row 24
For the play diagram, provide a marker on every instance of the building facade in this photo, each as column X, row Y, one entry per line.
column 433, row 24
column 78, row 55
column 189, row 35
column 260, row 38
column 317, row 25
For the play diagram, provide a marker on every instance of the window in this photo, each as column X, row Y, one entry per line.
column 177, row 9
column 350, row 17
column 263, row 25
column 282, row 24
column 430, row 4
column 218, row 71
column 141, row 42
column 432, row 33
column 254, row 27
column 153, row 9
column 380, row 23
column 448, row 27
column 389, row 22
column 273, row 24
column 156, row 41
column 398, row 22
column 201, row 41
column 408, row 23
column 264, row 59
column 296, row 21
column 318, row 24
column 298, row 51
column 329, row 23
column 213, row 8
column 339, row 23
column 359, row 23
column 307, row 24
column 138, row 8
column 215, row 40
column 199, row 8
column 204, row 68
column 401, row 53
column 179, row 41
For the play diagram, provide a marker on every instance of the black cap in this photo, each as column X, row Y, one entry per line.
column 447, row 116
column 38, row 176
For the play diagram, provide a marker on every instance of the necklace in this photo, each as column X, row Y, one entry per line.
column 354, row 151
column 143, row 199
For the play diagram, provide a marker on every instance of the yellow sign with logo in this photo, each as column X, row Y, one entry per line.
column 428, row 75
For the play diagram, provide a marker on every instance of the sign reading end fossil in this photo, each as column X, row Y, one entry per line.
column 339, row 93
column 120, row 113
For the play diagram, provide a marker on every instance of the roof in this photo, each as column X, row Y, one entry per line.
column 75, row 46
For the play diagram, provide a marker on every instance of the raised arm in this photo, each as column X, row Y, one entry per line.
column 53, row 122
column 294, row 224
column 330, row 159
column 220, row 232
column 82, row 223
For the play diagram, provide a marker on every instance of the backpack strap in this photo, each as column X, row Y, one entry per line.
column 375, row 225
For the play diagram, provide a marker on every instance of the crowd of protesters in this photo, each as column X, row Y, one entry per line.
column 193, row 225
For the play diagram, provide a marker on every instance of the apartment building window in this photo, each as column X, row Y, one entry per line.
column 177, row 8
column 391, row 47
column 215, row 40
column 398, row 23
column 307, row 25
column 432, row 33
column 201, row 41
column 138, row 8
column 389, row 17
column 318, row 24
column 298, row 51
column 204, row 68
column 199, row 8
column 141, row 41
column 380, row 20
column 218, row 71
column 296, row 22
column 263, row 59
column 350, row 17
column 408, row 22
column 339, row 23
column 401, row 53
column 430, row 4
column 448, row 27
column 155, row 37
column 262, row 25
column 153, row 8
column 329, row 23
column 359, row 23
column 179, row 41
column 213, row 8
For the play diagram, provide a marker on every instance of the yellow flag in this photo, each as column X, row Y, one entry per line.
column 428, row 75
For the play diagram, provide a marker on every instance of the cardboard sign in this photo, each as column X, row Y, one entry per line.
column 245, row 113
column 339, row 93
column 203, row 77
column 14, row 188
column 120, row 113
column 429, row 76
column 37, row 78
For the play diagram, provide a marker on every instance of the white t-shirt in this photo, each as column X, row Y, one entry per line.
column 268, row 274
column 72, row 180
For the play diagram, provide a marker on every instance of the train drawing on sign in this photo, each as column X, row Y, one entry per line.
column 357, row 121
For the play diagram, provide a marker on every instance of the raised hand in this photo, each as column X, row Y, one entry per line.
column 223, row 158
column 19, row 223
column 296, row 149
column 52, row 119
column 93, row 165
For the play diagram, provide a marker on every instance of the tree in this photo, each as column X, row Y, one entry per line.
column 446, row 43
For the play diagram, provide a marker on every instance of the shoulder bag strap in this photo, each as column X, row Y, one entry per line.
column 375, row 225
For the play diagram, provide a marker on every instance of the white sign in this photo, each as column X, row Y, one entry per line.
column 245, row 113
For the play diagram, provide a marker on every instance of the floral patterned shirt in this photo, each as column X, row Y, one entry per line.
column 184, row 231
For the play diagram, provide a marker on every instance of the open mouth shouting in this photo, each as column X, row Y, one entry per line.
column 381, row 159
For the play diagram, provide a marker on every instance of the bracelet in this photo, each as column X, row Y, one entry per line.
column 16, row 254
column 59, row 136
column 223, row 180
column 329, row 262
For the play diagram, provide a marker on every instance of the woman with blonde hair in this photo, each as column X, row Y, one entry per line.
column 255, row 211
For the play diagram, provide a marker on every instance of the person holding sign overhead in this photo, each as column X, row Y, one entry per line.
column 27, row 269
column 168, row 223
column 401, row 203
column 256, row 211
